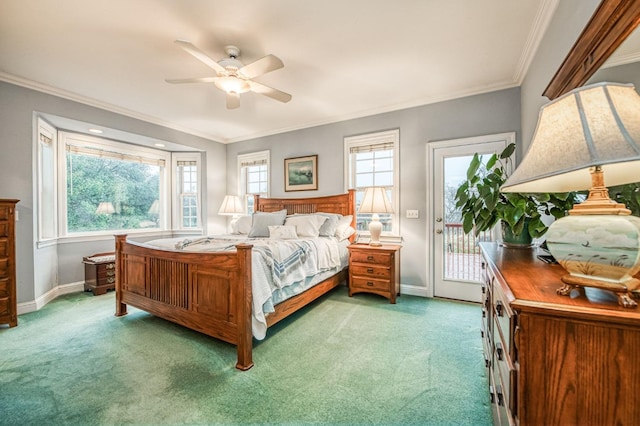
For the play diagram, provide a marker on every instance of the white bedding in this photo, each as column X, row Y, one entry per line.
column 280, row 268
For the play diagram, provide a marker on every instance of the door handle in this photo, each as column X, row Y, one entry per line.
column 438, row 231
column 438, row 219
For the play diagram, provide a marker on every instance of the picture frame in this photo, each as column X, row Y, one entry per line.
column 301, row 173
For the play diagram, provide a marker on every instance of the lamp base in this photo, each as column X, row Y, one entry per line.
column 625, row 291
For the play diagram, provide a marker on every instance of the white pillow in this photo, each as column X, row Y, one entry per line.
column 307, row 225
column 261, row 222
column 283, row 232
column 241, row 226
column 343, row 228
column 328, row 229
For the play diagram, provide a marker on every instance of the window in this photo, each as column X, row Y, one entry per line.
column 253, row 176
column 187, row 190
column 46, row 181
column 109, row 186
column 372, row 160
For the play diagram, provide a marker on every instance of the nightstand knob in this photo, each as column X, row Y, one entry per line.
column 370, row 257
column 369, row 283
column 369, row 270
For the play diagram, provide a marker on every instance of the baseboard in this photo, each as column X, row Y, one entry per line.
column 413, row 290
column 26, row 307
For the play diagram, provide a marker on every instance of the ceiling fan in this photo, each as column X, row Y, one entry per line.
column 232, row 76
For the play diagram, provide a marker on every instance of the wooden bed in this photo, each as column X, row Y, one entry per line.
column 210, row 292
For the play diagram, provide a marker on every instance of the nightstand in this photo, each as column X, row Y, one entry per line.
column 99, row 273
column 374, row 270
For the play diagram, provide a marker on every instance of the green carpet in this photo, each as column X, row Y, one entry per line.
column 342, row 360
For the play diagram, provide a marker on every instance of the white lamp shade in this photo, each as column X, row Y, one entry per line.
column 595, row 125
column 231, row 205
column 105, row 207
column 155, row 207
column 375, row 201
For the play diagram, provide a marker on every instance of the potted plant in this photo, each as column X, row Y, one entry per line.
column 521, row 215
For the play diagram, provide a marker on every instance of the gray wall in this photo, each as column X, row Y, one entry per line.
column 570, row 18
column 490, row 113
column 40, row 270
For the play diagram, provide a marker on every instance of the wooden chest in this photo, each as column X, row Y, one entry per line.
column 99, row 273
column 8, row 301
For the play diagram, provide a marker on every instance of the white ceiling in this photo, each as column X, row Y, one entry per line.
column 343, row 58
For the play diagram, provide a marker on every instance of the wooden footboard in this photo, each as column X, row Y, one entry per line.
column 210, row 292
column 206, row 292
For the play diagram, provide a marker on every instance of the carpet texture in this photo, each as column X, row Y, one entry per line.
column 342, row 360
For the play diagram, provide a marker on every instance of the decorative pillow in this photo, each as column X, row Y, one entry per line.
column 346, row 233
column 329, row 227
column 307, row 225
column 261, row 222
column 343, row 228
column 283, row 232
column 241, row 226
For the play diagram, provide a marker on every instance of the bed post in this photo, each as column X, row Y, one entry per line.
column 245, row 333
column 121, row 308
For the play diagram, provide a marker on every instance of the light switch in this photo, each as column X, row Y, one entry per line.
column 412, row 214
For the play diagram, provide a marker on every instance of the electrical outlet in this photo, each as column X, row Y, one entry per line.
column 412, row 214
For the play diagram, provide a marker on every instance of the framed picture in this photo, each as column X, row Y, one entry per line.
column 301, row 173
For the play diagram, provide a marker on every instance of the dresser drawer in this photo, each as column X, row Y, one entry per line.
column 372, row 271
column 4, row 229
column 370, row 257
column 4, row 306
column 370, row 284
column 106, row 270
column 4, row 287
column 4, row 247
column 4, row 213
column 4, row 267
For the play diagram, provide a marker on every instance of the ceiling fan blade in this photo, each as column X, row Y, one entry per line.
column 233, row 100
column 200, row 55
column 270, row 92
column 191, row 80
column 261, row 66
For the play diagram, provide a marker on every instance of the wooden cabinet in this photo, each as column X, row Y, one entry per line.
column 8, row 301
column 374, row 270
column 99, row 273
column 551, row 359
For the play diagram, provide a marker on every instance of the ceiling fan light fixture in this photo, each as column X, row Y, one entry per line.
column 231, row 84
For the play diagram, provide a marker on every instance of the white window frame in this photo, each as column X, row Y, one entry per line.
column 388, row 136
column 258, row 156
column 92, row 142
column 176, row 190
column 47, row 218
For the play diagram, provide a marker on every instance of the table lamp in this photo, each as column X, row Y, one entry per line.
column 581, row 138
column 375, row 201
column 105, row 207
column 231, row 206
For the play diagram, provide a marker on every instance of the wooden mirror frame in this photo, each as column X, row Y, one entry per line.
column 609, row 26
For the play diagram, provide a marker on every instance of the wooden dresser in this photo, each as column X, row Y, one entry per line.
column 374, row 270
column 8, row 300
column 556, row 360
column 99, row 273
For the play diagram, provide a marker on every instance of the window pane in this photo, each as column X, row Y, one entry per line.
column 105, row 194
column 384, row 179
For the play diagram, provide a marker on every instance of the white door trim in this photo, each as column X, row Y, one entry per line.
column 509, row 137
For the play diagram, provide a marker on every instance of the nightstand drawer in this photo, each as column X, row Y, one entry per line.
column 4, row 287
column 379, row 272
column 4, row 266
column 369, row 257
column 370, row 284
column 4, row 306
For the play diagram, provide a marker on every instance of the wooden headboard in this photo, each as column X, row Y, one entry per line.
column 344, row 204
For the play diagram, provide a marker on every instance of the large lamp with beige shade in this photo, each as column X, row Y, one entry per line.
column 375, row 201
column 584, row 139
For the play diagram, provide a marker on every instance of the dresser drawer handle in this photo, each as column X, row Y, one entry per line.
column 499, row 308
column 111, row 273
column 499, row 395
column 111, row 266
column 499, row 351
column 369, row 283
column 369, row 270
column 111, row 280
column 370, row 257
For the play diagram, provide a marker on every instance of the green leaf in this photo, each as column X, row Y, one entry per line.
column 508, row 151
column 473, row 166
